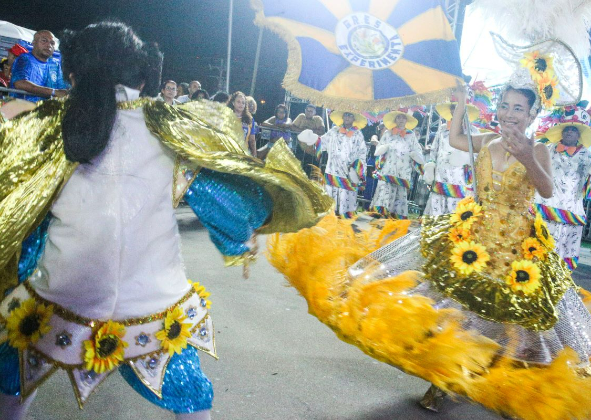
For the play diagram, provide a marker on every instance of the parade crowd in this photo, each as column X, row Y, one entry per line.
column 367, row 167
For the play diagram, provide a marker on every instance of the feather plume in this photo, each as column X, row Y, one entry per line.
column 536, row 20
column 406, row 330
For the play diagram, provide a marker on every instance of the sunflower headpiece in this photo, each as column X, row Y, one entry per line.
column 548, row 68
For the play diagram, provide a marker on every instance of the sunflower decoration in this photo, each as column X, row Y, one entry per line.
column 202, row 293
column 458, row 234
column 468, row 257
column 466, row 213
column 532, row 248
column 549, row 93
column 105, row 350
column 542, row 233
column 538, row 64
column 176, row 331
column 28, row 323
column 524, row 277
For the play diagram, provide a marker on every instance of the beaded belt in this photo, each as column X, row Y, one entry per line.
column 49, row 337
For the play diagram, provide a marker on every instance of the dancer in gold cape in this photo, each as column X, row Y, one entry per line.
column 91, row 275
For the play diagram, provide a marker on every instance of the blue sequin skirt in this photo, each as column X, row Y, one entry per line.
column 185, row 388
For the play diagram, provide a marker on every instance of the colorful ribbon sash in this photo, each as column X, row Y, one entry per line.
column 359, row 167
column 554, row 214
column 587, row 189
column 468, row 175
column 340, row 182
column 418, row 167
column 571, row 262
column 383, row 211
column 392, row 180
column 318, row 149
column 450, row 190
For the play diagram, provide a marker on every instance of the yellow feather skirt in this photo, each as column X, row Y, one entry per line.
column 409, row 332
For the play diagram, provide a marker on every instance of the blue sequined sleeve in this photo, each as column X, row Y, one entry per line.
column 32, row 249
column 231, row 207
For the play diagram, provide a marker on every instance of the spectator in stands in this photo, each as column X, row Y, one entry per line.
column 251, row 104
column 14, row 52
column 38, row 72
column 221, row 96
column 279, row 120
column 308, row 121
column 4, row 72
column 194, row 86
column 168, row 92
column 182, row 89
column 200, row 94
column 237, row 103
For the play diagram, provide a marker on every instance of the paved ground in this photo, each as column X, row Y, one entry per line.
column 276, row 361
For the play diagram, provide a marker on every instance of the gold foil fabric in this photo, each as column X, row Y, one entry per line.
column 504, row 225
column 209, row 135
column 33, row 167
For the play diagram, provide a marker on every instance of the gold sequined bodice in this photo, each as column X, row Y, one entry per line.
column 505, row 198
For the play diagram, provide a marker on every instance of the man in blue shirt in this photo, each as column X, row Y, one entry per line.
column 38, row 72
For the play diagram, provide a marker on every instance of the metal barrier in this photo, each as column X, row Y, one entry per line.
column 18, row 91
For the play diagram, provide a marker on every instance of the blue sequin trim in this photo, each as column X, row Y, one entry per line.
column 231, row 207
column 185, row 388
column 10, row 382
column 32, row 249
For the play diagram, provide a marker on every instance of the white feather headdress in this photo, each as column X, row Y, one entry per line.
column 536, row 20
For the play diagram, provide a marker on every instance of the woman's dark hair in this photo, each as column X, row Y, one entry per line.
column 246, row 117
column 221, row 96
column 198, row 92
column 99, row 57
column 185, row 87
column 529, row 95
column 278, row 107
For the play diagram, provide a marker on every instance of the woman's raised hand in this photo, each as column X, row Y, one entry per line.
column 517, row 143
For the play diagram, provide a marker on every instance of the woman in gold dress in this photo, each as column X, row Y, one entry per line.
column 475, row 302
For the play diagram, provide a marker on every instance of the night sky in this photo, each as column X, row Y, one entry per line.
column 192, row 34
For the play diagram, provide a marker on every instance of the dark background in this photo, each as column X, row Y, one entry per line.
column 192, row 34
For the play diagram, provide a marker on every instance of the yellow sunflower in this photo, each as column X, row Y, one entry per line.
column 458, row 234
column 468, row 257
column 466, row 214
column 537, row 64
column 466, row 200
column 175, row 333
column 533, row 248
column 28, row 323
column 203, row 294
column 105, row 350
column 548, row 91
column 525, row 276
column 542, row 232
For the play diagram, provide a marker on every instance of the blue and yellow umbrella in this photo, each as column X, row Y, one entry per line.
column 365, row 55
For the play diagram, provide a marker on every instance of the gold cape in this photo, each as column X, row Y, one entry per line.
column 34, row 168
